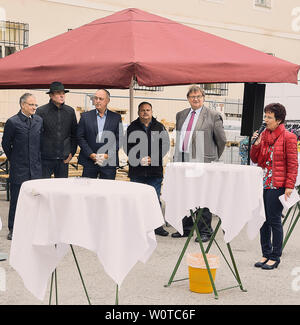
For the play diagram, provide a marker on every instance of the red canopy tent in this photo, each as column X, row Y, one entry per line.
column 111, row 51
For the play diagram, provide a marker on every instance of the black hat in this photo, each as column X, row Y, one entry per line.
column 57, row 86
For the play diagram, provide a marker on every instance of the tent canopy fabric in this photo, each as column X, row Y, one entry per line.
column 132, row 43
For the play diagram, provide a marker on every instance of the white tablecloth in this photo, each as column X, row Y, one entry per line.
column 232, row 192
column 114, row 219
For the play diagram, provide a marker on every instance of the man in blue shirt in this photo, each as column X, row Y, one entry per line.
column 98, row 135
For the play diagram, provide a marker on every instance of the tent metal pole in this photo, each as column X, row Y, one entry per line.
column 131, row 100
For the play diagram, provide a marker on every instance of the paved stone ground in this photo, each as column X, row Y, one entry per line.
column 144, row 285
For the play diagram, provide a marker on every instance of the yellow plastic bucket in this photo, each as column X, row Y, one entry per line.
column 198, row 274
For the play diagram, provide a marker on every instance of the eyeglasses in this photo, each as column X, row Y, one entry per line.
column 98, row 98
column 32, row 105
column 195, row 97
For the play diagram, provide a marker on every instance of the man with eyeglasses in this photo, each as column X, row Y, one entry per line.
column 59, row 133
column 98, row 135
column 200, row 137
column 21, row 143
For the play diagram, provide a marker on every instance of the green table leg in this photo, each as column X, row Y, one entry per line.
column 53, row 277
column 51, row 284
column 234, row 270
column 237, row 276
column 82, row 281
column 287, row 215
column 204, row 256
column 182, row 253
column 56, row 293
column 212, row 239
column 117, row 295
column 289, row 232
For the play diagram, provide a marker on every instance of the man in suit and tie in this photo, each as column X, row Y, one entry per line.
column 21, row 143
column 98, row 134
column 200, row 137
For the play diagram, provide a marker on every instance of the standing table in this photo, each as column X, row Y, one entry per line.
column 232, row 192
column 295, row 209
column 114, row 219
column 3, row 256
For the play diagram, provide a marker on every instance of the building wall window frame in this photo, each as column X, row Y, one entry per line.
column 14, row 36
column 264, row 4
column 215, row 89
column 216, row 1
column 136, row 86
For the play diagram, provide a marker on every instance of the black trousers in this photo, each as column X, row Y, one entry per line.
column 14, row 194
column 56, row 167
column 99, row 172
column 271, row 232
column 204, row 225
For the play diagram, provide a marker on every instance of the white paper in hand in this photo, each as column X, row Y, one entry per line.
column 293, row 199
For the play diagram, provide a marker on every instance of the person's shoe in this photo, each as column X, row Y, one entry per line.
column 260, row 264
column 10, row 234
column 272, row 266
column 161, row 232
column 204, row 238
column 178, row 235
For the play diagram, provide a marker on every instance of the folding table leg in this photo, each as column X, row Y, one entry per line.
column 234, row 270
column 213, row 237
column 206, row 261
column 56, row 294
column 289, row 232
column 51, row 284
column 237, row 276
column 287, row 215
column 82, row 281
column 182, row 252
column 53, row 277
column 117, row 295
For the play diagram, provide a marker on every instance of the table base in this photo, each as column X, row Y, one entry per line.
column 196, row 215
column 292, row 223
column 54, row 277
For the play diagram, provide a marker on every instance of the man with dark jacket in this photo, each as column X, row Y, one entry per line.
column 147, row 142
column 99, row 136
column 21, row 143
column 59, row 132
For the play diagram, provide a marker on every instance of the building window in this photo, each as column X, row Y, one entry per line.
column 13, row 37
column 263, row 3
column 217, row 1
column 220, row 89
column 136, row 86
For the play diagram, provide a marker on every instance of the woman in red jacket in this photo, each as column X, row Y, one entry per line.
column 276, row 152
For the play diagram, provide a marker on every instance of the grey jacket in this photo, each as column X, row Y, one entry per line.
column 211, row 123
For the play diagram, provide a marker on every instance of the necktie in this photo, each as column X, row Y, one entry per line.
column 188, row 131
column 28, row 121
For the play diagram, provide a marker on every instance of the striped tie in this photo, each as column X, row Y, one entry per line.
column 188, row 131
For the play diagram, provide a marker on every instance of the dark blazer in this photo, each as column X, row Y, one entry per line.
column 21, row 143
column 87, row 132
column 59, row 131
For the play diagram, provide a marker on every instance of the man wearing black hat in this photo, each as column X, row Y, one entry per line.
column 59, row 132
